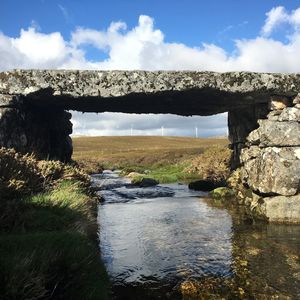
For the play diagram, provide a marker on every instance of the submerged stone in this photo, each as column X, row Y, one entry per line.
column 144, row 182
column 222, row 193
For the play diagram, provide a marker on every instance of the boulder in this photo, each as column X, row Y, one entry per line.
column 296, row 100
column 134, row 174
column 282, row 209
column 144, row 182
column 272, row 133
column 275, row 170
column 279, row 102
column 289, row 114
column 204, row 185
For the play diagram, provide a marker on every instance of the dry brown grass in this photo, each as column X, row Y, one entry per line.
column 143, row 151
column 19, row 174
column 23, row 174
column 212, row 165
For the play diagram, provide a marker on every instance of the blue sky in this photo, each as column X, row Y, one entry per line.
column 187, row 21
column 262, row 36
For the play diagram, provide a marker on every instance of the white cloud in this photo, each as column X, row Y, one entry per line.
column 275, row 17
column 33, row 50
column 144, row 47
column 278, row 16
column 147, row 124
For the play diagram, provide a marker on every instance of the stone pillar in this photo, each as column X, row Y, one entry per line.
column 31, row 129
column 271, row 161
column 240, row 123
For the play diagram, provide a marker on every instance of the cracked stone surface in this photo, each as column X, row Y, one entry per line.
column 272, row 133
column 133, row 91
column 282, row 209
column 271, row 161
column 272, row 170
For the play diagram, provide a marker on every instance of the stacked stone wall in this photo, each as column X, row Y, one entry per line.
column 29, row 129
column 271, row 161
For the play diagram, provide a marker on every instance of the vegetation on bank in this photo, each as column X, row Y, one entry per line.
column 213, row 164
column 48, row 231
column 166, row 159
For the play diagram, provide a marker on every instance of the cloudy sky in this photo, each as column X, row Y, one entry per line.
column 214, row 35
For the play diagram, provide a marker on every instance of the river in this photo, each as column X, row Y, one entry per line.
column 168, row 242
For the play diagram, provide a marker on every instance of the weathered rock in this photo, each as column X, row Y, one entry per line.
column 279, row 102
column 34, row 130
column 241, row 122
column 254, row 137
column 8, row 100
column 296, row 100
column 282, row 209
column 272, row 133
column 290, row 114
column 121, row 83
column 179, row 92
column 273, row 115
column 250, row 153
column 274, row 171
column 271, row 163
column 134, row 174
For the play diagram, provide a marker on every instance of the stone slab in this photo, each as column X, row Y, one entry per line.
column 282, row 209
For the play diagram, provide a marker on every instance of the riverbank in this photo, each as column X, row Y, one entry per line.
column 48, row 232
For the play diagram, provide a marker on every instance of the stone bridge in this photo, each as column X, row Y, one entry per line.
column 263, row 117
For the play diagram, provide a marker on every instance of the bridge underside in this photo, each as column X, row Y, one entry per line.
column 202, row 102
column 42, row 123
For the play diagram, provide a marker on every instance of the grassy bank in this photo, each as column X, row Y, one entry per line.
column 166, row 159
column 48, row 239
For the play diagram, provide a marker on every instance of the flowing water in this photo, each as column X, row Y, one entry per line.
column 168, row 242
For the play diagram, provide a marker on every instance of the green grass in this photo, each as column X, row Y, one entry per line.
column 62, row 264
column 51, row 247
column 170, row 173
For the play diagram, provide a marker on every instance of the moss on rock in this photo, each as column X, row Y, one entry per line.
column 222, row 193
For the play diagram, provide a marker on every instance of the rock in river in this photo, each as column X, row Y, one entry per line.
column 144, row 182
column 204, row 185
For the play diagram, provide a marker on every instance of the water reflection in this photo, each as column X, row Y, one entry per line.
column 188, row 246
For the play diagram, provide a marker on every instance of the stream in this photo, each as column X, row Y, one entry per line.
column 169, row 242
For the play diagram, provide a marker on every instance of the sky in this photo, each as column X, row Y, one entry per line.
column 232, row 35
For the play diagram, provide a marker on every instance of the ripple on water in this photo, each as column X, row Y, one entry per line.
column 163, row 238
column 156, row 247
